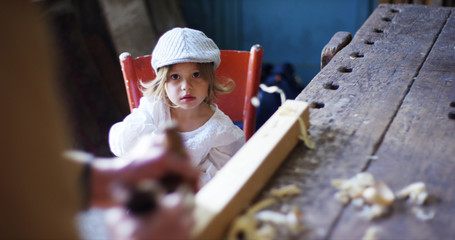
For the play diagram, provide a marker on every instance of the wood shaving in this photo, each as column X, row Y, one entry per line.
column 287, row 190
column 416, row 193
column 364, row 193
column 371, row 212
column 287, row 110
column 248, row 227
column 379, row 193
column 354, row 186
column 373, row 157
column 266, row 232
column 244, row 227
column 257, row 223
column 304, row 135
column 365, row 179
column 273, row 217
column 375, row 198
column 342, row 197
column 291, row 220
column 358, row 202
column 260, row 205
column 371, row 233
column 422, row 215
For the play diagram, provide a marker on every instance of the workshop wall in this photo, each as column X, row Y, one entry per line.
column 292, row 31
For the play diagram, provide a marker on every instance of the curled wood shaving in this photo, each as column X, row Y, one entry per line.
column 258, row 226
column 303, row 128
column 257, row 223
column 371, row 233
column 304, row 135
column 275, row 217
column 354, row 186
column 373, row 157
column 244, row 227
column 362, row 191
column 422, row 215
column 371, row 212
column 379, row 193
column 266, row 232
column 287, row 190
column 375, row 198
column 343, row 197
column 260, row 205
column 291, row 220
column 416, row 193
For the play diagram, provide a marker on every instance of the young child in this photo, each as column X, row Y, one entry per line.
column 184, row 90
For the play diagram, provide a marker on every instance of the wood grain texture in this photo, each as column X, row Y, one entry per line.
column 419, row 146
column 394, row 42
column 356, row 100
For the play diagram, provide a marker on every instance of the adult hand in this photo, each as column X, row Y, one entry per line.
column 171, row 220
column 154, row 157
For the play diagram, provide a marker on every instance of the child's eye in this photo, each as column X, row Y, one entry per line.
column 196, row 74
column 175, row 76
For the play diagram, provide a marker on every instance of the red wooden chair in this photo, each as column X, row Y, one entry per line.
column 241, row 66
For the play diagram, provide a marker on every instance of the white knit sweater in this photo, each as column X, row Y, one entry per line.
column 210, row 146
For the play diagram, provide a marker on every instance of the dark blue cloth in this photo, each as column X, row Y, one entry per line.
column 282, row 76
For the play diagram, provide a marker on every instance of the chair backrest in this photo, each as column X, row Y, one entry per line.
column 241, row 66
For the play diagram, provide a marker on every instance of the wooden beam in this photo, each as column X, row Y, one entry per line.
column 238, row 182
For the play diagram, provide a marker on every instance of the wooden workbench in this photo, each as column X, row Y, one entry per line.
column 384, row 104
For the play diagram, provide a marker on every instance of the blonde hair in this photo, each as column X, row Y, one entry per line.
column 157, row 87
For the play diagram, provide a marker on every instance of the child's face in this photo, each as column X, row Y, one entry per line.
column 185, row 86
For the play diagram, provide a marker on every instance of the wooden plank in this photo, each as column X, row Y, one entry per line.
column 419, row 146
column 354, row 99
column 238, row 182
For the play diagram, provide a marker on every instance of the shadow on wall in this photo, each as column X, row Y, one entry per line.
column 90, row 79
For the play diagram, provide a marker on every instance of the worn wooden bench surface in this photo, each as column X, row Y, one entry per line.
column 382, row 105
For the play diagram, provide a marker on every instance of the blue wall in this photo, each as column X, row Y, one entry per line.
column 292, row 31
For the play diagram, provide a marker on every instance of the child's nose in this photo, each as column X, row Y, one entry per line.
column 186, row 84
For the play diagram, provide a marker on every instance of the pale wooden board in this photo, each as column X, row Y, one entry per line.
column 238, row 182
column 355, row 117
column 420, row 146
